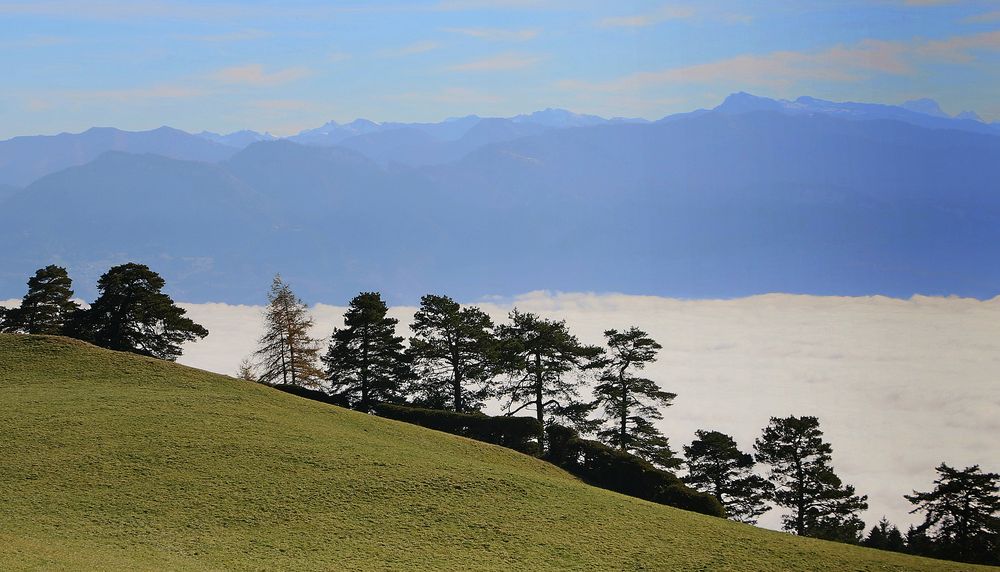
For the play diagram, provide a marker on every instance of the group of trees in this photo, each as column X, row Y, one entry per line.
column 457, row 358
column 130, row 314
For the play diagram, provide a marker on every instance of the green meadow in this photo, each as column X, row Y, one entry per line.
column 111, row 461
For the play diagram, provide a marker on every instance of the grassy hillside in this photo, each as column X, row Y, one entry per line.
column 113, row 461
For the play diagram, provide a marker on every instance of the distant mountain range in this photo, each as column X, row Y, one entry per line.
column 754, row 196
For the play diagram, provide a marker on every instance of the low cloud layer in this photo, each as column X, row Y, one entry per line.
column 899, row 385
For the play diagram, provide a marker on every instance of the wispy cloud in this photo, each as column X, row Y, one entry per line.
column 497, row 34
column 234, row 36
column 838, row 63
column 254, row 74
column 984, row 18
column 409, row 49
column 852, row 63
column 160, row 91
column 449, row 95
column 960, row 49
column 338, row 57
column 661, row 14
column 501, row 62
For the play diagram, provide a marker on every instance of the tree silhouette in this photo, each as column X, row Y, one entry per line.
column 539, row 355
column 885, row 536
column 47, row 305
column 287, row 353
column 132, row 314
column 365, row 362
column 717, row 466
column 961, row 517
column 453, row 350
column 822, row 506
column 629, row 403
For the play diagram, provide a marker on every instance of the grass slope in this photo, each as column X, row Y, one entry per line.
column 113, row 461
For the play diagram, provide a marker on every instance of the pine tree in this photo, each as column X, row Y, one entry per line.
column 961, row 515
column 717, row 466
column 287, row 354
column 629, row 403
column 47, row 305
column 822, row 506
column 453, row 350
column 540, row 355
column 132, row 314
column 884, row 536
column 366, row 362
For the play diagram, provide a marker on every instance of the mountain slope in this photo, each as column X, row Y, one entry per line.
column 115, row 461
column 25, row 159
column 710, row 205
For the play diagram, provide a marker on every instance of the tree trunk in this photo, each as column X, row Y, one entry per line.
column 364, row 369
column 539, row 406
column 800, row 502
column 456, row 379
column 624, row 412
column 281, row 350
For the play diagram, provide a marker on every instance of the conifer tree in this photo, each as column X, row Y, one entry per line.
column 453, row 351
column 717, row 466
column 540, row 355
column 822, row 506
column 287, row 353
column 961, row 515
column 132, row 314
column 630, row 403
column 47, row 305
column 366, row 362
column 885, row 536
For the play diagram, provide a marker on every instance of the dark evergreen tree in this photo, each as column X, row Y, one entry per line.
column 885, row 536
column 961, row 515
column 47, row 305
column 287, row 353
column 540, row 356
column 629, row 403
column 132, row 314
column 365, row 362
column 454, row 353
column 717, row 466
column 822, row 506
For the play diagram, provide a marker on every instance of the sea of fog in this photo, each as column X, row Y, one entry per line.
column 898, row 385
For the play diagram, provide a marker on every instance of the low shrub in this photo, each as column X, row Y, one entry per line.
column 616, row 470
column 314, row 394
column 516, row 433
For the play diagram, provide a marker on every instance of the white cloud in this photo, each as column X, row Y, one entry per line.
column 661, row 14
column 497, row 34
column 860, row 61
column 410, row 49
column 899, row 385
column 501, row 62
column 254, row 74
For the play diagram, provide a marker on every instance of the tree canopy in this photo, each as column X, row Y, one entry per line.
column 961, row 515
column 365, row 362
column 717, row 466
column 822, row 506
column 629, row 404
column 454, row 352
column 540, row 355
column 287, row 353
column 47, row 305
column 132, row 314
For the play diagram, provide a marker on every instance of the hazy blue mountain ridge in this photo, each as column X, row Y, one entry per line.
column 712, row 204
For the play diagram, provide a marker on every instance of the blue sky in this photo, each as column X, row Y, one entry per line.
column 287, row 66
